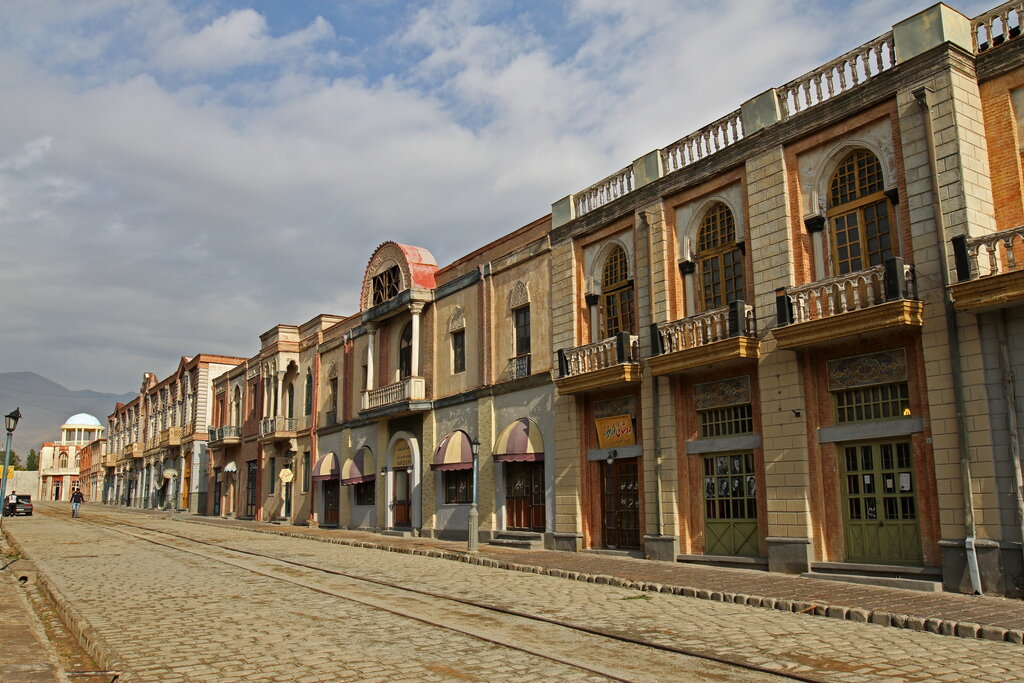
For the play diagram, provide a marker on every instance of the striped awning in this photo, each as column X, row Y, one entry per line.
column 326, row 467
column 453, row 453
column 359, row 468
column 519, row 442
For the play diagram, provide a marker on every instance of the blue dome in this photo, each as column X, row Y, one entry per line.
column 83, row 420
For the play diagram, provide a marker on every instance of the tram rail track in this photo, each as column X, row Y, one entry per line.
column 209, row 549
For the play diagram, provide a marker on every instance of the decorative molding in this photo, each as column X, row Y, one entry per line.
column 520, row 295
column 726, row 392
column 883, row 367
column 458, row 320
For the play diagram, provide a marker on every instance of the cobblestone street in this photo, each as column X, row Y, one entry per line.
column 168, row 608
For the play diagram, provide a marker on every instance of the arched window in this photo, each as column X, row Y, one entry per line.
column 385, row 285
column 236, row 408
column 290, row 397
column 405, row 352
column 78, row 460
column 721, row 260
column 62, row 462
column 308, row 407
column 858, row 213
column 617, row 294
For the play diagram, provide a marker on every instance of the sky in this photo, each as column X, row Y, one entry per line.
column 178, row 176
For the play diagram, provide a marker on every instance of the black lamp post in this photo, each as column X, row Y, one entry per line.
column 472, row 544
column 11, row 423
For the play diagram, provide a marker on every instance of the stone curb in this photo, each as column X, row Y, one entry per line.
column 105, row 656
column 947, row 627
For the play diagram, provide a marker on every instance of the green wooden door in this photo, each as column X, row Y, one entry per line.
column 880, row 499
column 730, row 505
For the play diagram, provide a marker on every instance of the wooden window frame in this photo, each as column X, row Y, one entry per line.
column 856, row 190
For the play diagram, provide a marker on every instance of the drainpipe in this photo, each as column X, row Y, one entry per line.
column 1012, row 424
column 952, row 331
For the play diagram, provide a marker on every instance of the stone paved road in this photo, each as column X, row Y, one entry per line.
column 174, row 616
column 190, row 604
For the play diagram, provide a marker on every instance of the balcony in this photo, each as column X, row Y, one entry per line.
column 868, row 302
column 518, row 367
column 331, row 418
column 170, row 437
column 407, row 391
column 228, row 435
column 602, row 365
column 277, row 428
column 989, row 270
column 720, row 336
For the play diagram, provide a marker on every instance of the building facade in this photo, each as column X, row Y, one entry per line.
column 789, row 340
column 60, row 461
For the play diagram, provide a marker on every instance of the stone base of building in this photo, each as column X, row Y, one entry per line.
column 569, row 542
column 663, row 548
column 1000, row 566
column 789, row 555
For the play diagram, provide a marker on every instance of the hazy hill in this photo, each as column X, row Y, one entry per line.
column 44, row 407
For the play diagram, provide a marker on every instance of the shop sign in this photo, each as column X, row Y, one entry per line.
column 286, row 476
column 170, row 473
column 401, row 456
column 615, row 431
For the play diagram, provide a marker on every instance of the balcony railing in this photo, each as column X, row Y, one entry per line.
column 225, row 432
column 408, row 389
column 519, row 367
column 846, row 293
column 993, row 28
column 332, row 418
column 736, row 319
column 170, row 437
column 273, row 425
column 618, row 350
column 994, row 254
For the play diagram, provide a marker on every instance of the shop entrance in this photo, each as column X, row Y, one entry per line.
column 880, row 501
column 401, row 502
column 730, row 505
column 250, row 490
column 217, row 492
column 331, row 499
column 620, row 496
column 524, row 496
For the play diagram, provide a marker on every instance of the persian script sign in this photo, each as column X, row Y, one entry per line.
column 615, row 431
column 401, row 456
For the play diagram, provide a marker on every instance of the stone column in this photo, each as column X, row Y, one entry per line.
column 416, row 308
column 371, row 342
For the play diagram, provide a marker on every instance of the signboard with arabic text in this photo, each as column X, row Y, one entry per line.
column 615, row 431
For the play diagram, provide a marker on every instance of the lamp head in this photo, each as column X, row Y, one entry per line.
column 611, row 456
column 11, row 420
column 475, row 446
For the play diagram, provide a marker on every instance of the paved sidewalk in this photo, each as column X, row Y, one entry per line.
column 25, row 657
column 988, row 617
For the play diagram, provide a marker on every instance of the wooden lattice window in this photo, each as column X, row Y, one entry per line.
column 880, row 402
column 726, row 421
column 721, row 259
column 386, row 285
column 859, row 214
column 617, row 294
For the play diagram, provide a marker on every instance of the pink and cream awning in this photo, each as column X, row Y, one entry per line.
column 326, row 467
column 453, row 453
column 521, row 441
column 359, row 468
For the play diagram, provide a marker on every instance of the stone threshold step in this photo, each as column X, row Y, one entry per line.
column 886, row 581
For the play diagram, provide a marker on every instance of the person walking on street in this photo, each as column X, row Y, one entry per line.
column 12, row 503
column 76, row 502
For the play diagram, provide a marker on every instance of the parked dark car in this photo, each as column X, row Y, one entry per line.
column 24, row 506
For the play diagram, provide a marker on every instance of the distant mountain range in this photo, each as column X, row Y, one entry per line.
column 45, row 405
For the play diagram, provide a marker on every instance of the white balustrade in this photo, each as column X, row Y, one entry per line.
column 602, row 354
column 996, row 253
column 998, row 25
column 700, row 330
column 600, row 193
column 408, row 389
column 844, row 294
column 837, row 76
column 705, row 142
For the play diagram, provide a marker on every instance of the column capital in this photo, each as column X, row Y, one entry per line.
column 416, row 307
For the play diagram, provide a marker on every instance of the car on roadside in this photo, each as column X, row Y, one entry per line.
column 23, row 506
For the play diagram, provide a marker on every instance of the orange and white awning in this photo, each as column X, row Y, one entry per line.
column 326, row 467
column 521, row 441
column 359, row 468
column 455, row 452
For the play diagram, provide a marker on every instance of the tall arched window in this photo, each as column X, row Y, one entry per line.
column 721, row 260
column 236, row 408
column 405, row 352
column 858, row 213
column 617, row 294
column 62, row 461
column 290, row 397
column 308, row 406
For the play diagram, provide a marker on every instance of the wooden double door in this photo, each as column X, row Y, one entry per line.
column 331, row 500
column 401, row 501
column 620, row 503
column 524, row 496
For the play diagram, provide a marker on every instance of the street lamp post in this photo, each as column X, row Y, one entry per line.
column 10, row 422
column 473, row 542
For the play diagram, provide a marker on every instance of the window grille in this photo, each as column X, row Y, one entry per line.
column 880, row 402
column 726, row 421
